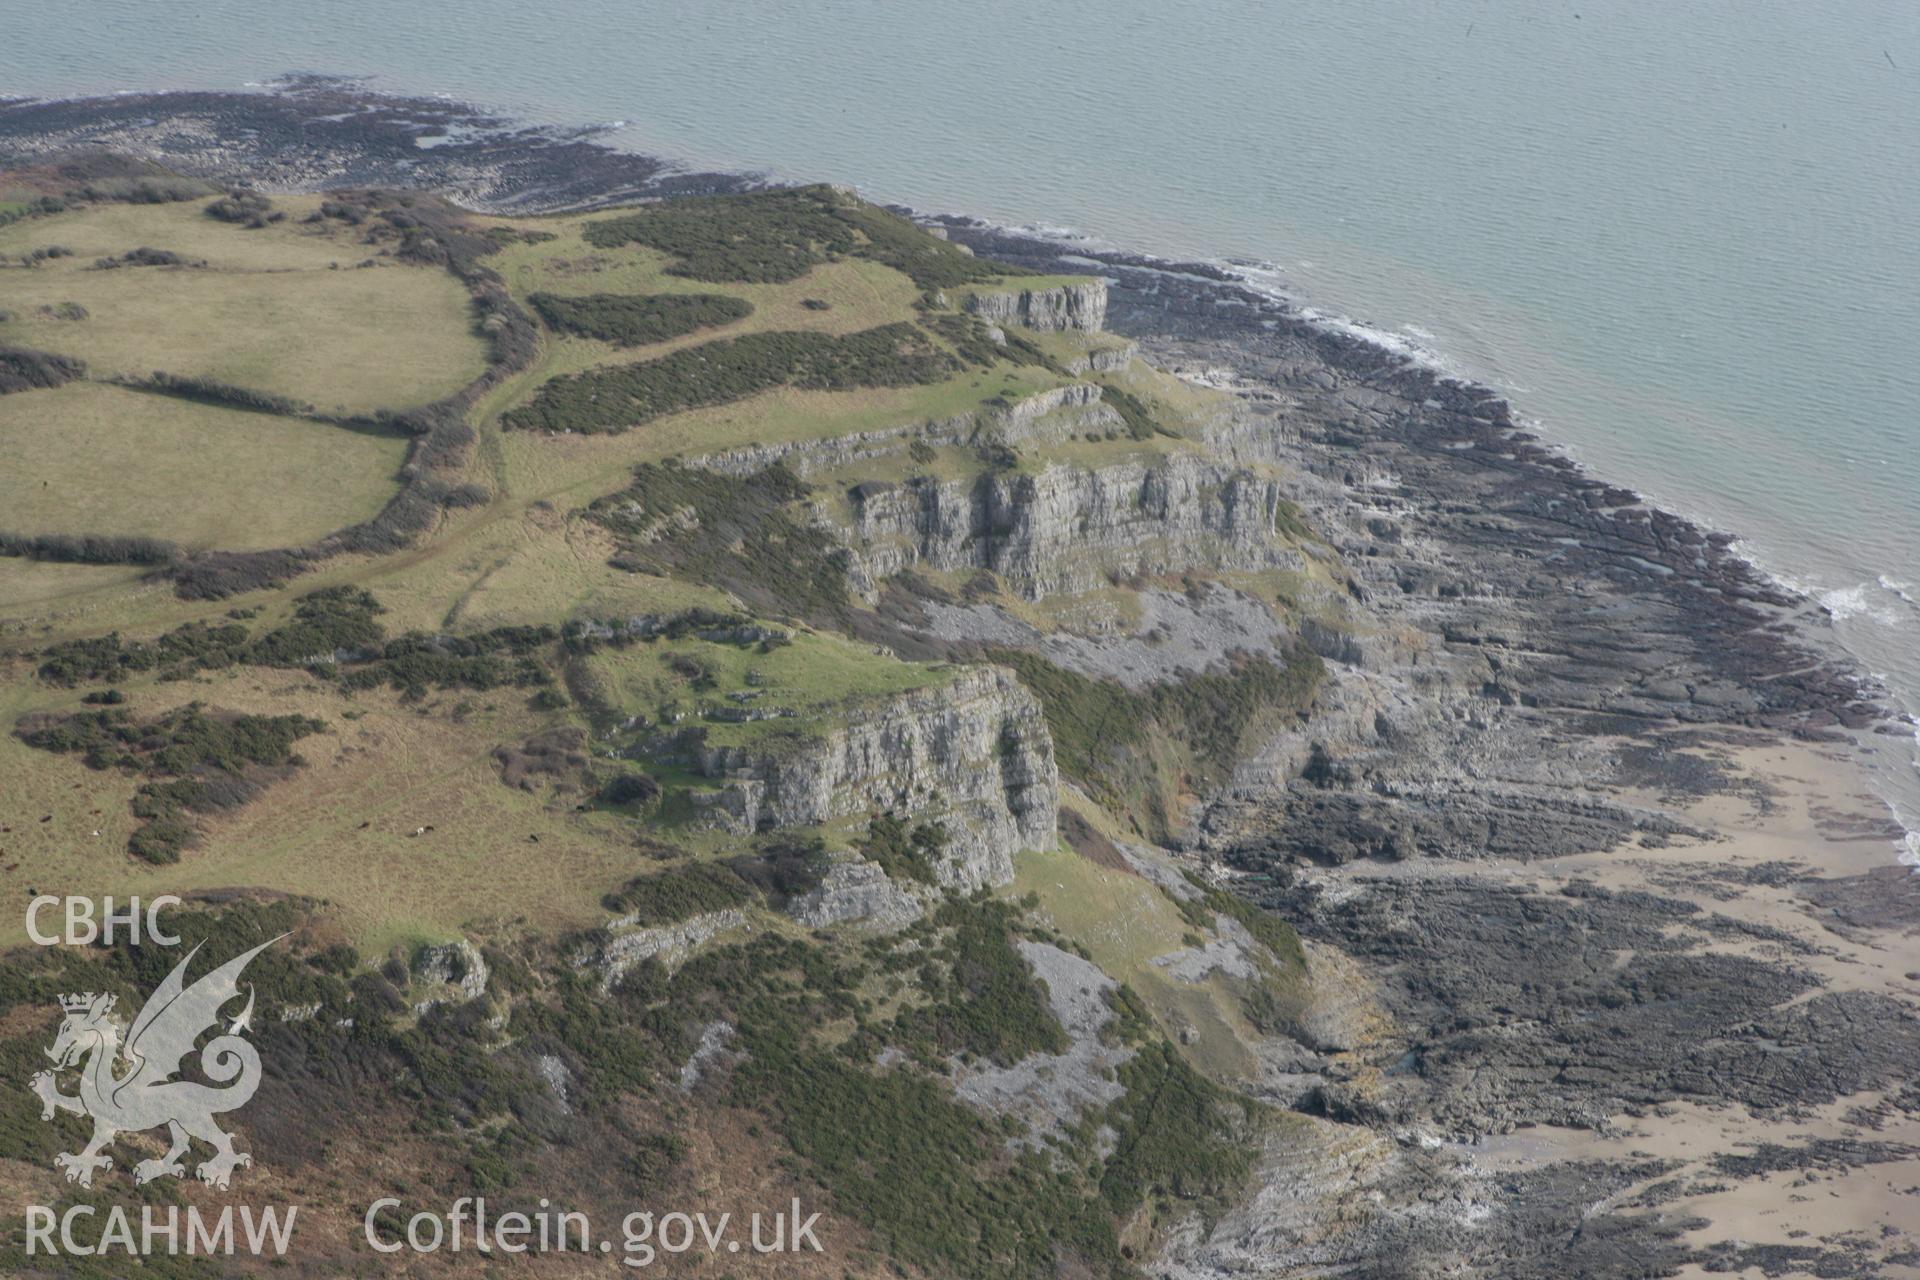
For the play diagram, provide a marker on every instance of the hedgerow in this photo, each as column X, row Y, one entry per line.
column 89, row 548
column 211, row 391
column 334, row 633
column 145, row 256
column 617, row 397
column 421, row 229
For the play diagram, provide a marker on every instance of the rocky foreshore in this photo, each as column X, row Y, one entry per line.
column 1634, row 992
column 308, row 132
column 1556, row 805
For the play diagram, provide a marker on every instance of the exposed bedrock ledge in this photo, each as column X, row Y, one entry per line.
column 1104, row 359
column 857, row 893
column 619, row 947
column 972, row 752
column 1068, row 529
column 1046, row 417
column 1075, row 306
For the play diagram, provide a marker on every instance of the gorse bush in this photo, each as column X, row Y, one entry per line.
column 1141, row 424
column 146, row 257
column 784, row 866
column 769, row 237
column 617, row 397
column 902, row 853
column 1138, row 749
column 1276, row 934
column 194, row 646
column 24, row 369
column 627, row 789
column 982, row 1000
column 245, row 208
column 634, row 320
column 935, row 1183
column 1175, row 1129
column 747, row 535
column 679, row 894
column 197, row 762
column 334, row 633
column 324, row 623
column 1092, row 718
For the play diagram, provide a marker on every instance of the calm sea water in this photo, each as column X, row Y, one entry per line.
column 1680, row 236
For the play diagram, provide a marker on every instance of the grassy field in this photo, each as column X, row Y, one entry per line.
column 34, row 594
column 858, row 294
column 392, row 767
column 268, row 312
column 88, row 458
column 101, row 230
column 543, row 566
column 816, row 677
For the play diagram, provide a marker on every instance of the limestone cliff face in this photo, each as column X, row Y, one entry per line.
column 1075, row 306
column 972, row 752
column 1066, row 529
column 1104, row 359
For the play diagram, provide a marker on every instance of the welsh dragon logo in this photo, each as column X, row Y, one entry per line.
column 129, row 1087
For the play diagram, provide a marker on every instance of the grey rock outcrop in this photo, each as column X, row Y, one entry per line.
column 1175, row 634
column 714, row 1050
column 857, row 893
column 620, row 948
column 1045, row 417
column 1074, row 306
column 453, row 971
column 559, row 1080
column 972, row 752
column 1104, row 359
column 1067, row 529
column 1049, row 1091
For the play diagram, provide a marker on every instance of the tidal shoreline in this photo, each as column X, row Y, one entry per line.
column 1577, row 821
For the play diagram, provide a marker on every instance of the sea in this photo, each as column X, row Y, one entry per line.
column 1680, row 237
